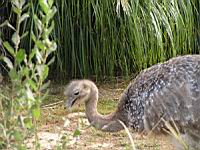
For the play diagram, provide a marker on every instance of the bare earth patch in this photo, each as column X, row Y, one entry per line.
column 64, row 129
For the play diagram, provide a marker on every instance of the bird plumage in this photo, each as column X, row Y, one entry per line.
column 166, row 92
column 170, row 90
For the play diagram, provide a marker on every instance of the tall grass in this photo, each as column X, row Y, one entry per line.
column 95, row 40
column 100, row 39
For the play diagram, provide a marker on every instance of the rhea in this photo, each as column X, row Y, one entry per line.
column 166, row 92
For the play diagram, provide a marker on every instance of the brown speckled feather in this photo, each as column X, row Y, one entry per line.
column 170, row 91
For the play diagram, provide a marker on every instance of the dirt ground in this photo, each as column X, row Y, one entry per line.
column 64, row 129
column 61, row 129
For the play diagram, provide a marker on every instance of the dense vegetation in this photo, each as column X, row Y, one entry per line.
column 104, row 38
column 117, row 38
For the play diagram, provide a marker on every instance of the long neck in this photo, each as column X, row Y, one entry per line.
column 107, row 123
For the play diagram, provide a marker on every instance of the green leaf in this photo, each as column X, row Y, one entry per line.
column 13, row 74
column 76, row 133
column 18, row 136
column 33, row 37
column 24, row 35
column 38, row 23
column 52, row 48
column 8, row 62
column 10, row 26
column 29, row 94
column 32, row 84
column 38, row 55
column 43, row 97
column 50, row 15
column 16, row 10
column 20, row 55
column 36, row 112
column 9, row 48
column 32, row 54
column 28, row 5
column 23, row 17
column 21, row 3
column 43, row 71
column 16, row 38
column 44, row 6
column 51, row 61
column 16, row 3
column 49, row 30
column 50, row 2
column 40, row 45
column 45, row 86
column 28, row 123
column 25, row 71
column 6, row 23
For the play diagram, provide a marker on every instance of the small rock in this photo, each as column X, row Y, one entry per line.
column 66, row 122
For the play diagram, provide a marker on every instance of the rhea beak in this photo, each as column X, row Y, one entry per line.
column 70, row 102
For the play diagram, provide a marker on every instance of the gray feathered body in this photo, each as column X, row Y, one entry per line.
column 169, row 91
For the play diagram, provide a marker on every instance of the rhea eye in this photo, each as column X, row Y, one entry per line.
column 76, row 92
